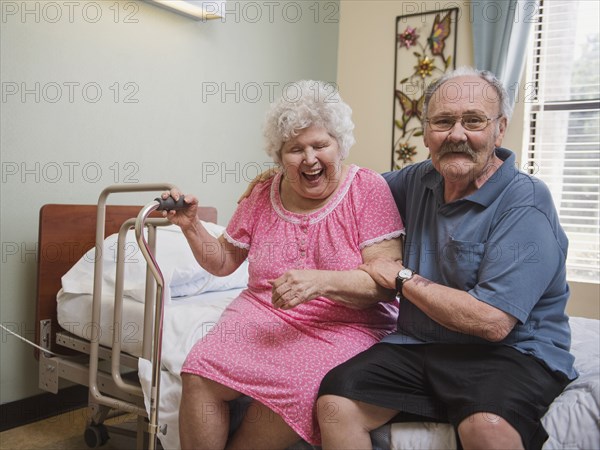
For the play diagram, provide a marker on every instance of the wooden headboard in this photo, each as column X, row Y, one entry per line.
column 66, row 233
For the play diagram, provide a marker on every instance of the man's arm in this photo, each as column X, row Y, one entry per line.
column 452, row 308
column 260, row 178
column 457, row 310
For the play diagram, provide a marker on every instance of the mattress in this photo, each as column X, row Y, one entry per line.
column 74, row 313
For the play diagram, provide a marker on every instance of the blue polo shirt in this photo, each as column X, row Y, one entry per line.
column 503, row 244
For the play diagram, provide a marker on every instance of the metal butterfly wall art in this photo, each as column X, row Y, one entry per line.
column 439, row 33
column 426, row 37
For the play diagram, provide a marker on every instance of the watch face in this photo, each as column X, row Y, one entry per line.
column 405, row 273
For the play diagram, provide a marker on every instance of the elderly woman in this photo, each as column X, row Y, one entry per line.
column 307, row 308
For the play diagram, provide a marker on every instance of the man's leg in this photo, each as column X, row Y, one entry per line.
column 346, row 424
column 495, row 395
column 204, row 413
column 368, row 390
column 488, row 431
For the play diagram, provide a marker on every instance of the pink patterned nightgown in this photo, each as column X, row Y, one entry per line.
column 279, row 357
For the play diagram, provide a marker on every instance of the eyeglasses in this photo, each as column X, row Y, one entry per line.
column 470, row 122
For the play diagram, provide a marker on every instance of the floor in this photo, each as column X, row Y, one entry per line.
column 65, row 432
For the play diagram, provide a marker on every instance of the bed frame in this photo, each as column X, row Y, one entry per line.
column 66, row 233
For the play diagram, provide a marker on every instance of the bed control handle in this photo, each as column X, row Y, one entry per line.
column 169, row 204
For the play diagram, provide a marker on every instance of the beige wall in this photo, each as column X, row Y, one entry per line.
column 366, row 80
column 585, row 300
column 366, row 69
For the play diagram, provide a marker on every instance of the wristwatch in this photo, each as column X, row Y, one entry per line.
column 403, row 276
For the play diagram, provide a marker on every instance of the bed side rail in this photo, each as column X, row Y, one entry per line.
column 94, row 388
column 148, row 248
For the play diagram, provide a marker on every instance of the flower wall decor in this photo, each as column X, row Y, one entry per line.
column 425, row 49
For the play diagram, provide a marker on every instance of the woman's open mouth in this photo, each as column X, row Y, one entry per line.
column 312, row 175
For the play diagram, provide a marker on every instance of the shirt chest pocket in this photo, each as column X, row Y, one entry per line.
column 461, row 261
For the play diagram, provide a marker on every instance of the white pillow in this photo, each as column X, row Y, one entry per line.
column 182, row 273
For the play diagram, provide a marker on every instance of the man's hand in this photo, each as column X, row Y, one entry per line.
column 262, row 177
column 383, row 271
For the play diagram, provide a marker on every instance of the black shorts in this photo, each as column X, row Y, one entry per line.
column 448, row 383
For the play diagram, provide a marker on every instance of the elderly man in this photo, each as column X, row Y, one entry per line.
column 483, row 338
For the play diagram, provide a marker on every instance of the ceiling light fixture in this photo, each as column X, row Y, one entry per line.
column 197, row 10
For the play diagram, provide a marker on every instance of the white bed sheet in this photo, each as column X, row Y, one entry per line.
column 573, row 420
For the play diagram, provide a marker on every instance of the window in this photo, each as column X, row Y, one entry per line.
column 562, row 123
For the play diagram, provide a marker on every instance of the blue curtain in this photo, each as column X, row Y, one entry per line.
column 501, row 30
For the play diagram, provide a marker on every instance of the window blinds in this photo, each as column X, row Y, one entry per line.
column 562, row 123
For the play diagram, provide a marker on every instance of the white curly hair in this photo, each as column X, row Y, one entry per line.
column 303, row 104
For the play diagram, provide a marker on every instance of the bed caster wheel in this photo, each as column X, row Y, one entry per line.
column 95, row 435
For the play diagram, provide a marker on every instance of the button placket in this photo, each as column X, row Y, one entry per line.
column 303, row 238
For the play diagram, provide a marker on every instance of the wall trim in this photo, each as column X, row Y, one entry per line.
column 31, row 409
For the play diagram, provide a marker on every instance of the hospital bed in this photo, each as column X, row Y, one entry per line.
column 99, row 325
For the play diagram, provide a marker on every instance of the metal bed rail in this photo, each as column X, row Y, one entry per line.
column 153, row 317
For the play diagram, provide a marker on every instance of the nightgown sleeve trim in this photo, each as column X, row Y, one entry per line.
column 385, row 237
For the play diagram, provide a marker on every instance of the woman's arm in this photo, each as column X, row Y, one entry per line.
column 216, row 255
column 352, row 288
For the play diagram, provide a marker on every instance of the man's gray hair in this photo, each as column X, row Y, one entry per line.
column 502, row 97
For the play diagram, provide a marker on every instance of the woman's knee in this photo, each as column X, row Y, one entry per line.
column 194, row 383
column 198, row 385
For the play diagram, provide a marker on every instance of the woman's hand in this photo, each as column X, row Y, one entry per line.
column 295, row 287
column 383, row 271
column 185, row 217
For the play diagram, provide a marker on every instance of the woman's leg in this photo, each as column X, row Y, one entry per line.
column 204, row 413
column 345, row 423
column 262, row 429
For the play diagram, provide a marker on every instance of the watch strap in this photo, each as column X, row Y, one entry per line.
column 400, row 281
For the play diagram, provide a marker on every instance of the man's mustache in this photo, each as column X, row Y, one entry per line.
column 451, row 147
